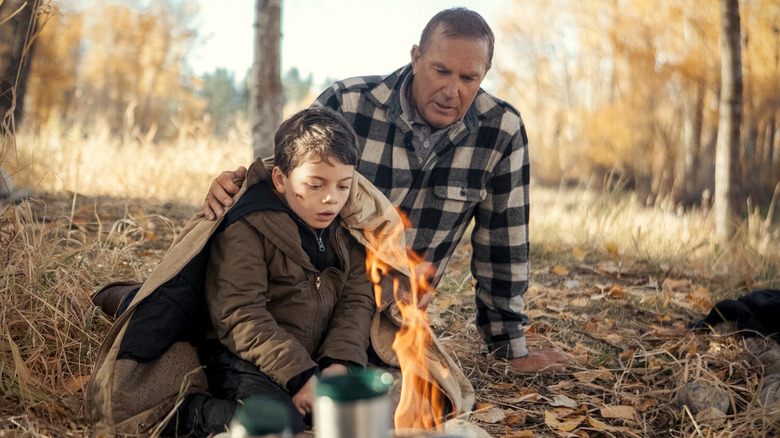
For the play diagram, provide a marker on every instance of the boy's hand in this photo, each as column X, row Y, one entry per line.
column 221, row 192
column 304, row 399
column 334, row 370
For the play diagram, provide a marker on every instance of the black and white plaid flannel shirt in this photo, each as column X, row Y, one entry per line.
column 478, row 171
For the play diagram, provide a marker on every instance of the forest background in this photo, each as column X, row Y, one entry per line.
column 119, row 140
column 622, row 89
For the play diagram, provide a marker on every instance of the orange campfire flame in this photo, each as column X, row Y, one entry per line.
column 422, row 403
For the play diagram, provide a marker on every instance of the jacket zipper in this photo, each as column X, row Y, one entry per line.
column 319, row 240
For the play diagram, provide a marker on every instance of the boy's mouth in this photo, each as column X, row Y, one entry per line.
column 328, row 215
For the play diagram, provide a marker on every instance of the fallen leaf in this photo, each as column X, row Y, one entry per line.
column 502, row 386
column 607, row 267
column 611, row 248
column 567, row 425
column 645, row 404
column 562, row 400
column 580, row 302
column 520, row 434
column 622, row 412
column 492, row 415
column 560, row 270
column 578, row 253
column 516, row 419
column 616, row 291
column 77, row 383
column 591, row 375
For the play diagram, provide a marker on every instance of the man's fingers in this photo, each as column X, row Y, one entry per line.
column 212, row 208
column 223, row 187
column 240, row 172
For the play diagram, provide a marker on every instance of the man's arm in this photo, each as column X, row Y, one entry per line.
column 220, row 195
column 501, row 262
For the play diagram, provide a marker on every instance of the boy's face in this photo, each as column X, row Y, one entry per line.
column 316, row 191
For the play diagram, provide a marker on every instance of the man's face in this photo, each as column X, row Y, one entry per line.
column 447, row 77
column 316, row 191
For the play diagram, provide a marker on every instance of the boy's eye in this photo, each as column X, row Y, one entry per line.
column 343, row 187
column 315, row 186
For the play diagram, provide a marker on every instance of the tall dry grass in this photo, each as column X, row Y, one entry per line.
column 94, row 161
column 675, row 240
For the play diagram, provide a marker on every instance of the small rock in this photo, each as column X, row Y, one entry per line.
column 770, row 359
column 6, row 188
column 757, row 345
column 770, row 392
column 700, row 396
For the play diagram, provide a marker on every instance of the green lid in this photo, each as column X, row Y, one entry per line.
column 359, row 384
column 260, row 415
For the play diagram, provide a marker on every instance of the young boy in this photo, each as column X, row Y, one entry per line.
column 286, row 285
column 281, row 277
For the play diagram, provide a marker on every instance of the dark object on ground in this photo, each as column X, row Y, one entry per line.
column 701, row 396
column 110, row 296
column 755, row 314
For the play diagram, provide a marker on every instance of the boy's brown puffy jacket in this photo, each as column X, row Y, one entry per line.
column 272, row 307
column 144, row 367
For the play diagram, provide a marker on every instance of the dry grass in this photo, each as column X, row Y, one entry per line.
column 631, row 280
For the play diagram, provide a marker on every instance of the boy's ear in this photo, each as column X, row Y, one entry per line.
column 278, row 178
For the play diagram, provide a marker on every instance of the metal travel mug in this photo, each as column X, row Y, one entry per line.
column 354, row 405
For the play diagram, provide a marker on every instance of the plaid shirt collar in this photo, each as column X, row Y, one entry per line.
column 389, row 92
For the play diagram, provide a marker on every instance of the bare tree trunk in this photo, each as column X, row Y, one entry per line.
column 265, row 92
column 17, row 27
column 730, row 117
column 15, row 52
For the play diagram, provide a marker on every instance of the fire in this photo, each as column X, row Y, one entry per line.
column 422, row 403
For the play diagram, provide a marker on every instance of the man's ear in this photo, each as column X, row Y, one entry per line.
column 416, row 54
column 278, row 178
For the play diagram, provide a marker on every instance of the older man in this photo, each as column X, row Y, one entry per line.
column 446, row 152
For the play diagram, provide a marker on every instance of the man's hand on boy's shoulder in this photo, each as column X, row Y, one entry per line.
column 221, row 192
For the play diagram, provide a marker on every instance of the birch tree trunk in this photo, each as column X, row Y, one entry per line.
column 265, row 92
column 730, row 117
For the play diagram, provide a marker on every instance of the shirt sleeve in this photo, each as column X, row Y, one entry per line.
column 500, row 259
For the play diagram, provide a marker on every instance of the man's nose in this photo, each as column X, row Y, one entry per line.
column 451, row 87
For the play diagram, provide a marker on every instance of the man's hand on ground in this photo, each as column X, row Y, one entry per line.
column 541, row 361
column 221, row 192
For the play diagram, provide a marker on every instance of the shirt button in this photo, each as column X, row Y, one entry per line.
column 462, row 192
column 426, row 143
column 419, row 160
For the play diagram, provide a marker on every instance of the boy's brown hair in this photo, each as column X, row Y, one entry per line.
column 315, row 132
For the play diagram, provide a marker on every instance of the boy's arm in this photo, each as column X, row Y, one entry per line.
column 236, row 294
column 348, row 334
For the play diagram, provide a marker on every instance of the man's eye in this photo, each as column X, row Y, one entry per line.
column 343, row 187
